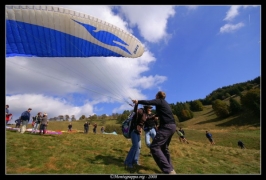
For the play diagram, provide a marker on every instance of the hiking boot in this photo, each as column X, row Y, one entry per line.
column 131, row 169
column 172, row 172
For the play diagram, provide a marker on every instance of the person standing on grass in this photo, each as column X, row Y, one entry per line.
column 209, row 137
column 37, row 122
column 102, row 129
column 181, row 134
column 137, row 124
column 44, row 124
column 25, row 118
column 7, row 110
column 241, row 144
column 159, row 146
column 33, row 122
column 86, row 127
column 69, row 127
column 94, row 128
column 150, row 125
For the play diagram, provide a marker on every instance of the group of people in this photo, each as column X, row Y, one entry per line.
column 161, row 134
column 39, row 122
column 86, row 127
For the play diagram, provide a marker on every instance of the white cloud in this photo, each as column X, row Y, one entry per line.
column 37, row 82
column 230, row 16
column 232, row 13
column 151, row 20
column 41, row 103
column 231, row 27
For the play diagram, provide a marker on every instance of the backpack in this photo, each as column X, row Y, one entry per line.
column 209, row 135
column 127, row 125
column 179, row 133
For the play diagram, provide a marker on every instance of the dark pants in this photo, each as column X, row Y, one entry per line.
column 86, row 130
column 42, row 128
column 159, row 147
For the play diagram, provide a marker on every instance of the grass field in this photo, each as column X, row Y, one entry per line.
column 79, row 153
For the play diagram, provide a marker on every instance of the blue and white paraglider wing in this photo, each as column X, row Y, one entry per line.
column 50, row 31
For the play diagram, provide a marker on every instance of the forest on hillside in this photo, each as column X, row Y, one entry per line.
column 249, row 100
column 242, row 97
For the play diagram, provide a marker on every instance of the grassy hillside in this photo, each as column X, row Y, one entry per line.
column 78, row 153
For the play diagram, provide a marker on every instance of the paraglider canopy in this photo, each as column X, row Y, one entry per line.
column 50, row 31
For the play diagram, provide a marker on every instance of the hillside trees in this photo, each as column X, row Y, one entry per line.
column 196, row 105
column 61, row 118
column 123, row 116
column 82, row 117
column 93, row 117
column 235, row 106
column 235, row 89
column 182, row 111
column 251, row 101
column 220, row 108
column 73, row 118
column 67, row 117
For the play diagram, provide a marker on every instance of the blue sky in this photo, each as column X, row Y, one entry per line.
column 189, row 52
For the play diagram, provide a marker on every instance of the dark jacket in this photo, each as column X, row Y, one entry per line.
column 25, row 116
column 208, row 135
column 141, row 117
column 86, row 125
column 240, row 143
column 163, row 110
column 38, row 119
column 18, row 121
column 150, row 122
